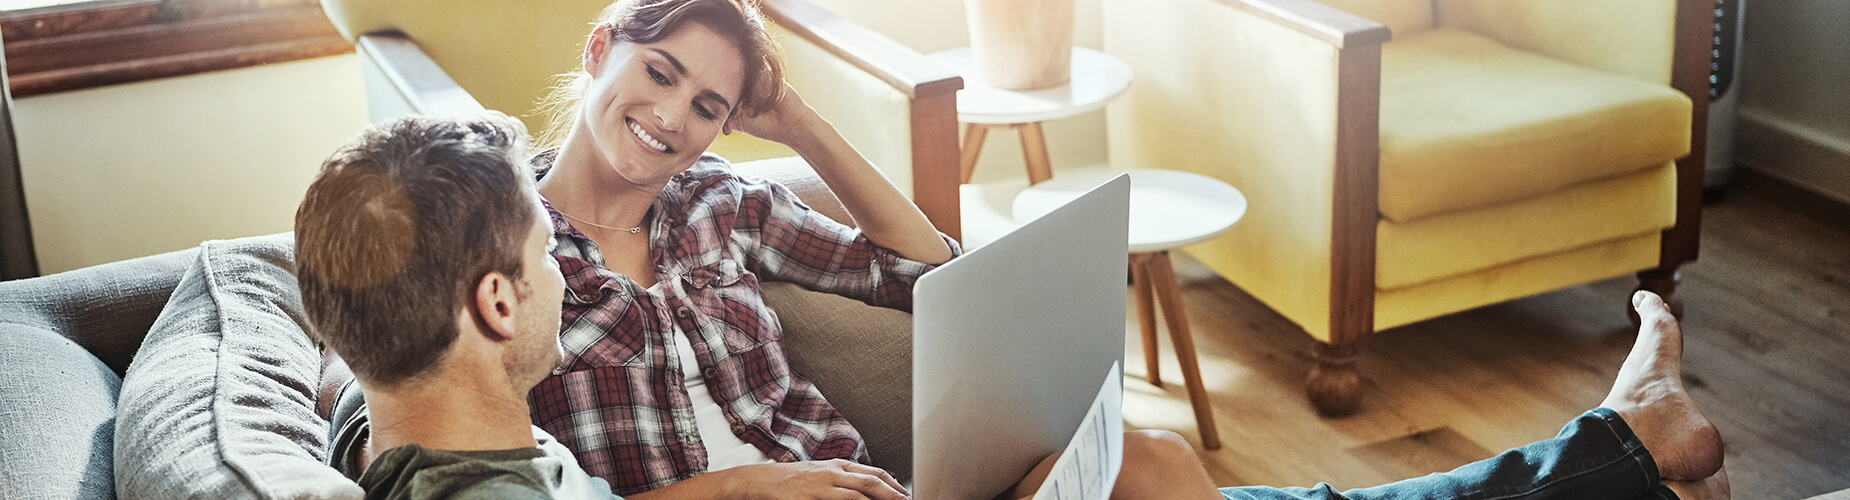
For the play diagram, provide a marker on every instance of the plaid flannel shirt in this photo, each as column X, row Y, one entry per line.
column 619, row 400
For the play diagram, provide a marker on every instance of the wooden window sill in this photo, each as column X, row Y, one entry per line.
column 107, row 42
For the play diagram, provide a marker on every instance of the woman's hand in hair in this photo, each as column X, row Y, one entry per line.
column 880, row 210
column 782, row 123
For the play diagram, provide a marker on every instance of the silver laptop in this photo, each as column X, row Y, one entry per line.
column 1010, row 342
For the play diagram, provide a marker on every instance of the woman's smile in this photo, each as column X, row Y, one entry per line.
column 647, row 140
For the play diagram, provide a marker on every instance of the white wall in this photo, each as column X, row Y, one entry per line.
column 1795, row 114
column 128, row 170
column 933, row 25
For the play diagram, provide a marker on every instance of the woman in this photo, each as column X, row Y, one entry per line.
column 675, row 380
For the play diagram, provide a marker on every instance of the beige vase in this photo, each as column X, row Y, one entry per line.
column 1021, row 44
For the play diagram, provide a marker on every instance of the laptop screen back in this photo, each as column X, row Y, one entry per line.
column 1009, row 342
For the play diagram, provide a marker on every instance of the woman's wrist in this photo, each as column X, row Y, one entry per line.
column 811, row 134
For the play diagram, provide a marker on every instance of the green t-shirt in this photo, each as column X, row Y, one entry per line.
column 413, row 472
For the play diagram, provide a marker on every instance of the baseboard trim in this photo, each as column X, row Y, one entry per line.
column 1795, row 154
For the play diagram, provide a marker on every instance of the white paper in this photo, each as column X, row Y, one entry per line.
column 1089, row 466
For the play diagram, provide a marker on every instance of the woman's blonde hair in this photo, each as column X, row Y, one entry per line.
column 646, row 21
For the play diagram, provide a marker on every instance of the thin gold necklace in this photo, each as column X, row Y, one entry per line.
column 631, row 230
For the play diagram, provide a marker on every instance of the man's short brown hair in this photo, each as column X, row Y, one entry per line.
column 398, row 229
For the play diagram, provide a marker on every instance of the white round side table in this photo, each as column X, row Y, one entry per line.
column 1097, row 78
column 1169, row 209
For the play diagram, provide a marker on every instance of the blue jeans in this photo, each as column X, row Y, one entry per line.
column 1595, row 457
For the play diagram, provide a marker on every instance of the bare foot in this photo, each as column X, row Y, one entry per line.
column 1649, row 395
column 1713, row 488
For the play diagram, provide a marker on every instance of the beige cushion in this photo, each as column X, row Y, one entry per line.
column 220, row 399
column 860, row 357
column 1468, row 122
column 1447, row 245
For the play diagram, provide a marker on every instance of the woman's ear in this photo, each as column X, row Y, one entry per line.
column 597, row 48
column 494, row 307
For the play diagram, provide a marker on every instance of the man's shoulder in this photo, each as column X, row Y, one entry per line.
column 548, row 471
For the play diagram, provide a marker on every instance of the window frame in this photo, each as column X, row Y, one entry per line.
column 106, row 42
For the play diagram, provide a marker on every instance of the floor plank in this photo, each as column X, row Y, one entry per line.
column 1767, row 327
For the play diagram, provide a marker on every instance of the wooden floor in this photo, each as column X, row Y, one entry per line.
column 1767, row 356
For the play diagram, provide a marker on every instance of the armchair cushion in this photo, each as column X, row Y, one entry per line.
column 1468, row 122
column 1515, row 280
column 1447, row 245
column 220, row 400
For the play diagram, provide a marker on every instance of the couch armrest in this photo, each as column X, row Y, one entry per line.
column 107, row 308
column 1279, row 98
column 401, row 80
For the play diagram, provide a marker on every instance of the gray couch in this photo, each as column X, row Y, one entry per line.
column 67, row 341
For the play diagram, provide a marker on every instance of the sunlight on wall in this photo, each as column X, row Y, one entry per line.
column 123, row 171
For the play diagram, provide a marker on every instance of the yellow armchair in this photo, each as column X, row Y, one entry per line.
column 1495, row 149
column 447, row 56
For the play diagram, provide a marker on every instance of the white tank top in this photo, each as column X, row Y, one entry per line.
column 724, row 450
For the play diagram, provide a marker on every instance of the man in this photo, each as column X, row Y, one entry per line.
column 422, row 257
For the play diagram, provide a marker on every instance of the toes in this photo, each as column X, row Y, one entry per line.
column 1646, row 302
column 1653, row 313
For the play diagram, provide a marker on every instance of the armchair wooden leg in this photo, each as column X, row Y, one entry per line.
column 1146, row 315
column 1169, row 293
column 1334, row 386
column 1663, row 282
